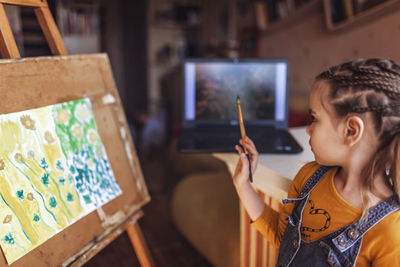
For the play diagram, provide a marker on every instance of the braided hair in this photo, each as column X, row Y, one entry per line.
column 371, row 86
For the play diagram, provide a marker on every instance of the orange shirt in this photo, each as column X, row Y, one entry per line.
column 325, row 212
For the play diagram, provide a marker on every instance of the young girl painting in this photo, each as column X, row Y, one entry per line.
column 343, row 208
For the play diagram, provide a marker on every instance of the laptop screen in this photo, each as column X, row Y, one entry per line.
column 211, row 87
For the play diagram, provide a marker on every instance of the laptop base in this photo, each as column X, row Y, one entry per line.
column 276, row 141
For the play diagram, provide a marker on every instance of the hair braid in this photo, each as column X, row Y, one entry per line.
column 353, row 79
column 383, row 109
column 371, row 85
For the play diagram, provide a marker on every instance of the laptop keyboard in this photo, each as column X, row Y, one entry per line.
column 223, row 140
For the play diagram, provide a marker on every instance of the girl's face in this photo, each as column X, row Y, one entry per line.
column 325, row 131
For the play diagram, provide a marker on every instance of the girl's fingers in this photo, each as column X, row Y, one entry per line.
column 250, row 143
column 242, row 156
column 251, row 149
column 239, row 149
column 244, row 163
column 244, row 144
column 241, row 171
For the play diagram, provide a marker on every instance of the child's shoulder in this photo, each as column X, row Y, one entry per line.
column 301, row 178
column 383, row 239
column 305, row 172
column 390, row 225
column 309, row 167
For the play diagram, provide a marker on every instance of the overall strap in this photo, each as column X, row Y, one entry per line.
column 355, row 231
column 310, row 184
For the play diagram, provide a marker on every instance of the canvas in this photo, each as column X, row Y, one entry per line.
column 53, row 171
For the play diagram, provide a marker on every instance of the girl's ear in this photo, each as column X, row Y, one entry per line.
column 354, row 129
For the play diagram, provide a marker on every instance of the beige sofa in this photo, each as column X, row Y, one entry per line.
column 205, row 207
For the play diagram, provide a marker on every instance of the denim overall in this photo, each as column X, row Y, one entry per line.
column 339, row 248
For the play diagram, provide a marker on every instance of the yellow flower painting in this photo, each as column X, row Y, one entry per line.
column 27, row 122
column 53, row 171
column 62, row 116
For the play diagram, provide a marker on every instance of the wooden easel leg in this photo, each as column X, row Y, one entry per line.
column 8, row 46
column 50, row 31
column 139, row 244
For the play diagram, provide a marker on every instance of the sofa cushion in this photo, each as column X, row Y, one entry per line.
column 205, row 209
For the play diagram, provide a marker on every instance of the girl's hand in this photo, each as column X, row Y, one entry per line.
column 248, row 144
column 241, row 175
column 250, row 199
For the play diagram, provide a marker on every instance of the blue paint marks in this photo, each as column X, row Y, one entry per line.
column 33, row 187
column 87, row 199
column 44, row 164
column 59, row 166
column 9, row 239
column 36, row 218
column 70, row 197
column 45, row 179
column 61, row 180
column 53, row 202
column 15, row 215
column 20, row 194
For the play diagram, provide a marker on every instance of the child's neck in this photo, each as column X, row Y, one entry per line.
column 348, row 184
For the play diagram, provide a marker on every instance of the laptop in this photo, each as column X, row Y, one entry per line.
column 210, row 117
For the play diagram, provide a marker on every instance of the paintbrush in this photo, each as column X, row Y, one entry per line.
column 243, row 133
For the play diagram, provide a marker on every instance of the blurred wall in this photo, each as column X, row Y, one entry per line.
column 124, row 39
column 311, row 48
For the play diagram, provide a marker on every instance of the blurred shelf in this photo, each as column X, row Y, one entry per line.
column 356, row 18
column 294, row 16
column 34, row 39
column 172, row 26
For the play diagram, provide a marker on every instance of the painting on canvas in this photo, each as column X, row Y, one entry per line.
column 53, row 171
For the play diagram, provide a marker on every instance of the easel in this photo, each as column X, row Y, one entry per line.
column 9, row 50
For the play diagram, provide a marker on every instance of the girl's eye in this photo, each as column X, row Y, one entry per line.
column 313, row 119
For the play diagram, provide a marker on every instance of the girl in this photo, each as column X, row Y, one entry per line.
column 342, row 209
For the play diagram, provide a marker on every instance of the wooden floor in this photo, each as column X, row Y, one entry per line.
column 167, row 245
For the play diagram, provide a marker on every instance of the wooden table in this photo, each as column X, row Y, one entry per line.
column 271, row 180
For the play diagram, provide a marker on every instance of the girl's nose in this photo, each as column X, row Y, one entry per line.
column 308, row 130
